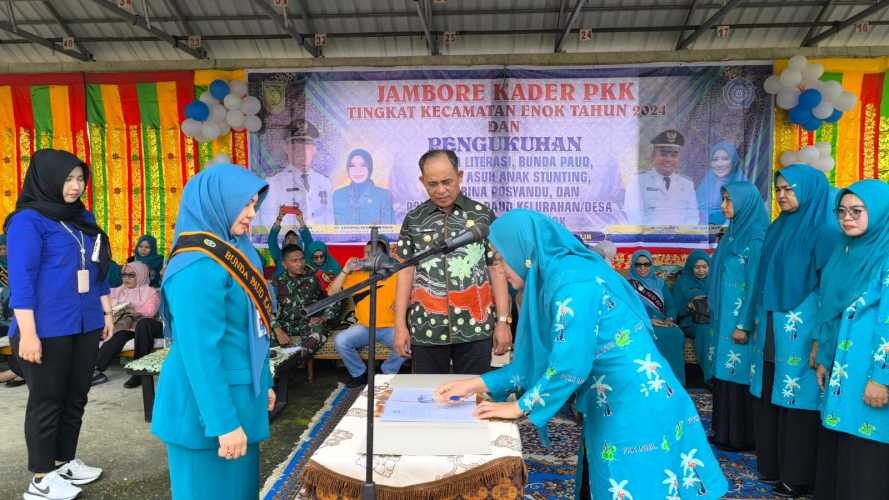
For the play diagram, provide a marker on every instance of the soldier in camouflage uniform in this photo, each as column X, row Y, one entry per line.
column 295, row 289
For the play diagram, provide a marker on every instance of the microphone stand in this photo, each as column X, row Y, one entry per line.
column 380, row 269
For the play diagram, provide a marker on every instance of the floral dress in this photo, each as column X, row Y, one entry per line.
column 641, row 430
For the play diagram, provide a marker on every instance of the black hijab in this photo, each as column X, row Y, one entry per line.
column 42, row 191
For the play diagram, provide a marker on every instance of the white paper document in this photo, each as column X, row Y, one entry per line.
column 407, row 404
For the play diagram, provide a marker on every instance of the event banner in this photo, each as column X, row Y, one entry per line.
column 634, row 154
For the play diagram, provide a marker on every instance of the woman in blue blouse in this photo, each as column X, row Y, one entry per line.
column 58, row 259
column 214, row 392
column 658, row 301
column 582, row 330
column 853, row 457
column 735, row 265
column 796, row 247
column 690, row 285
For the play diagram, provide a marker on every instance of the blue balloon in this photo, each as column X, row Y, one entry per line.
column 812, row 125
column 810, row 98
column 199, row 111
column 835, row 117
column 800, row 115
column 219, row 89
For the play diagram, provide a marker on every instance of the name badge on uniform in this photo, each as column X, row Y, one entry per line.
column 260, row 327
column 83, row 281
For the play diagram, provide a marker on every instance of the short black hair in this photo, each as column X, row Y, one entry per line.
column 432, row 153
column 289, row 249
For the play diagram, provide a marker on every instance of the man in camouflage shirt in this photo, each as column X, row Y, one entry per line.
column 295, row 289
column 449, row 308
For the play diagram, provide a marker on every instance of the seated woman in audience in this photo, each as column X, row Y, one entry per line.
column 583, row 331
column 146, row 253
column 690, row 295
column 853, row 448
column 658, row 302
column 13, row 376
column 132, row 303
column 290, row 238
column 735, row 265
column 324, row 266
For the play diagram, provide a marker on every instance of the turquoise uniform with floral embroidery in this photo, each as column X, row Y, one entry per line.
column 582, row 330
column 796, row 385
column 732, row 361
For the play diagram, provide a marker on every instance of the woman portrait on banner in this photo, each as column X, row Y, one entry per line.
column 658, row 301
column 214, row 392
column 735, row 266
column 692, row 307
column 146, row 253
column 362, row 202
column 583, row 331
column 853, row 354
column 796, row 248
column 58, row 261
column 725, row 167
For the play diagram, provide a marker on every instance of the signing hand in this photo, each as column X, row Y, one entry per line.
column 233, row 445
column 505, row 411
column 459, row 388
column 876, row 395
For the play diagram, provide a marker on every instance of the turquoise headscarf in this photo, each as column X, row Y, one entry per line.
column 854, row 262
column 747, row 225
column 153, row 260
column 330, row 264
column 709, row 192
column 211, row 202
column 798, row 244
column 548, row 257
column 687, row 280
column 652, row 281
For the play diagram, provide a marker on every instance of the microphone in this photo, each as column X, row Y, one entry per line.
column 476, row 233
column 378, row 262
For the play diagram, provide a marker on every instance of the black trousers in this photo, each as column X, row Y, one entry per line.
column 57, row 396
column 850, row 467
column 733, row 415
column 473, row 358
column 146, row 331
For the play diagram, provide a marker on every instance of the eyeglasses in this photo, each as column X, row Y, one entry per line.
column 127, row 275
column 643, row 264
column 853, row 212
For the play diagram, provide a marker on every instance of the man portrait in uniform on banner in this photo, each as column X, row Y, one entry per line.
column 299, row 183
column 661, row 196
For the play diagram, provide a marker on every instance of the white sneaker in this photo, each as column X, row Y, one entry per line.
column 51, row 487
column 77, row 472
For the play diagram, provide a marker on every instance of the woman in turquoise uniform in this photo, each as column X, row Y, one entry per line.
column 362, row 202
column 725, row 167
column 214, row 395
column 661, row 310
column 582, row 330
column 797, row 246
column 735, row 266
column 690, row 285
column 853, row 458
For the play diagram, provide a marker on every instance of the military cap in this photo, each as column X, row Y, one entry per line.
column 668, row 139
column 301, row 130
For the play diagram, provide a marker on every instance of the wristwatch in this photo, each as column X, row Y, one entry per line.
column 504, row 319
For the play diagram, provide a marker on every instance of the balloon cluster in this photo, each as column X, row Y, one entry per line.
column 810, row 100
column 818, row 156
column 224, row 107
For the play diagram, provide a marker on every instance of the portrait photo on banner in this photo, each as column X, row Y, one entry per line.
column 639, row 153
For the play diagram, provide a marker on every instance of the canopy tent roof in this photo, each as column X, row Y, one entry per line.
column 33, row 31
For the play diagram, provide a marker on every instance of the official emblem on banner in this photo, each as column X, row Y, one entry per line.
column 738, row 93
column 273, row 92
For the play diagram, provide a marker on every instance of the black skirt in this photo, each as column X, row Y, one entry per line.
column 850, row 467
column 733, row 416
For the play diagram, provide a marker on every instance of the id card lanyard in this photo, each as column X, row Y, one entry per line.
column 83, row 275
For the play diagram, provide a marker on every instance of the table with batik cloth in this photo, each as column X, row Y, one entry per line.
column 337, row 468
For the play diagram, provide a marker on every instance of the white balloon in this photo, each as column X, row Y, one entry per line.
column 217, row 113
column 797, row 62
column 824, row 164
column 791, row 77
column 224, row 128
column 811, row 84
column 250, row 105
column 830, row 90
column 208, row 99
column 813, row 71
column 823, row 110
column 809, row 155
column 845, row 101
column 787, row 98
column 823, row 148
column 210, row 130
column 253, row 123
column 232, row 102
column 238, row 87
column 772, row 85
column 235, row 119
column 190, row 127
column 788, row 158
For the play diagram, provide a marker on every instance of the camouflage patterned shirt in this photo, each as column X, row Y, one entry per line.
column 293, row 294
